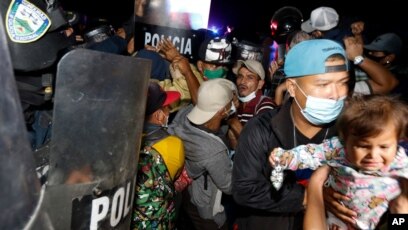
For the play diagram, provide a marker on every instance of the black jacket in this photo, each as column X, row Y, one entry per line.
column 251, row 172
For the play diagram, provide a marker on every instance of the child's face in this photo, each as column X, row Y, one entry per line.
column 373, row 153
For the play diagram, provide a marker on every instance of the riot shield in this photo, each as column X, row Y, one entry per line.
column 21, row 191
column 97, row 125
column 165, row 19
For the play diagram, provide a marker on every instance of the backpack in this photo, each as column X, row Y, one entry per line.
column 174, row 159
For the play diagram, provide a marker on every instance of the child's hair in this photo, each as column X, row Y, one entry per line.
column 367, row 116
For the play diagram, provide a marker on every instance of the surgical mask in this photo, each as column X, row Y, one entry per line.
column 248, row 97
column 213, row 74
column 321, row 111
column 233, row 109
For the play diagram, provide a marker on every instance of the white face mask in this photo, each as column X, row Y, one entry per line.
column 233, row 109
column 231, row 112
column 321, row 111
column 249, row 97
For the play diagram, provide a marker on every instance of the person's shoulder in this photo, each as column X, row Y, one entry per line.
column 260, row 122
column 265, row 103
column 186, row 109
column 268, row 115
column 180, row 116
column 266, row 100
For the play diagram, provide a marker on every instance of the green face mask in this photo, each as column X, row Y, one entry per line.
column 217, row 73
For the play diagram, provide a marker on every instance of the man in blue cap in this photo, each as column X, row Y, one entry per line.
column 317, row 81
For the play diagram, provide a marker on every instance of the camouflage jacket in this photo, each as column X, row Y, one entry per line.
column 154, row 205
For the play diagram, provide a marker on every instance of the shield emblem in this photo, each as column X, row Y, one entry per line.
column 25, row 22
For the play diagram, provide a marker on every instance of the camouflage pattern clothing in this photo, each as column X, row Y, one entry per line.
column 154, row 205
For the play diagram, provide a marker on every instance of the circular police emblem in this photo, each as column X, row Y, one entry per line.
column 25, row 22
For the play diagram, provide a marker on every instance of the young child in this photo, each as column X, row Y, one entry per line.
column 365, row 159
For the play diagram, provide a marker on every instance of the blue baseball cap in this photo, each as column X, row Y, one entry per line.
column 309, row 57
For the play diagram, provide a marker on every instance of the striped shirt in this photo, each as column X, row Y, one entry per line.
column 253, row 107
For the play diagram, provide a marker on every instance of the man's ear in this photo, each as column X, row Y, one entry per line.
column 291, row 87
column 223, row 112
column 261, row 84
column 390, row 58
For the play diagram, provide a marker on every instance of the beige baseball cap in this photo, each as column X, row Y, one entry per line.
column 213, row 95
column 252, row 65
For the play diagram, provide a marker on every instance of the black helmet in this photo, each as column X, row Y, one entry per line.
column 246, row 50
column 284, row 21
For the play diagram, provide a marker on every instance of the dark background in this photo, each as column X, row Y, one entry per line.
column 252, row 17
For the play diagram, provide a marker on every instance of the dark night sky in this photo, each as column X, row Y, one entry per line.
column 253, row 16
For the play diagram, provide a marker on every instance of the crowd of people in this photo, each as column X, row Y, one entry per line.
column 233, row 133
column 220, row 152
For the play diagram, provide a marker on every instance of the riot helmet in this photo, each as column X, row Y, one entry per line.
column 246, row 50
column 284, row 21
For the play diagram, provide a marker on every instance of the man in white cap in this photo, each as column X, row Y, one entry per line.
column 323, row 23
column 321, row 19
column 207, row 160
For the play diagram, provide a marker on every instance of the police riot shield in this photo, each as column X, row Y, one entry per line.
column 21, row 192
column 97, row 125
column 165, row 19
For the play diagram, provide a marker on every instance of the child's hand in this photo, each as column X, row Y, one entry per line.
column 281, row 157
column 273, row 159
